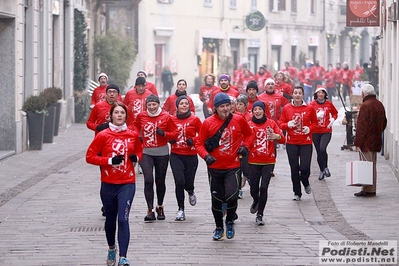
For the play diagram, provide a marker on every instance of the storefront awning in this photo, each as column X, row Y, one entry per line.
column 213, row 34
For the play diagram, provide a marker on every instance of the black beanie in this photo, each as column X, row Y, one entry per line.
column 152, row 98
column 181, row 98
column 260, row 104
column 112, row 86
column 140, row 81
column 252, row 84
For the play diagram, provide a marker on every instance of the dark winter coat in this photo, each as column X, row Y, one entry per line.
column 371, row 122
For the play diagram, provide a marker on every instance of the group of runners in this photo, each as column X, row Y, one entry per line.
column 237, row 140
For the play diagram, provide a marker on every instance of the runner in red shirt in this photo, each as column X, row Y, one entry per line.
column 223, row 160
column 329, row 78
column 244, row 80
column 346, row 80
column 148, row 85
column 357, row 73
column 183, row 156
column 135, row 99
column 274, row 102
column 99, row 93
column 100, row 116
column 306, row 77
column 299, row 120
column 237, row 74
column 326, row 115
column 156, row 128
column 206, row 91
column 282, row 87
column 261, row 77
column 261, row 157
column 338, row 77
column 224, row 83
column 170, row 104
column 319, row 73
column 116, row 150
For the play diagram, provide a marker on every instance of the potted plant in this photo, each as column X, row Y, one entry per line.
column 58, row 93
column 49, row 121
column 35, row 107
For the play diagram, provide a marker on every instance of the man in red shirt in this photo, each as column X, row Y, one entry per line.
column 206, row 91
column 99, row 93
column 274, row 102
column 261, row 77
column 319, row 73
column 346, row 80
column 224, row 83
column 100, row 117
column 338, row 77
column 149, row 85
column 135, row 99
column 221, row 151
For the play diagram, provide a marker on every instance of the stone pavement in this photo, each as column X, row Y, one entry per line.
column 50, row 213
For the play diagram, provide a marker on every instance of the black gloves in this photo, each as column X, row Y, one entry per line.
column 172, row 141
column 209, row 159
column 102, row 126
column 190, row 142
column 117, row 159
column 160, row 132
column 243, row 151
column 133, row 158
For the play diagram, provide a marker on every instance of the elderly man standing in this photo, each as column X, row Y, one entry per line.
column 371, row 122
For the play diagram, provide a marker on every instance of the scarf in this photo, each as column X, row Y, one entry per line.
column 178, row 93
column 320, row 102
column 185, row 115
column 260, row 120
column 156, row 114
column 116, row 128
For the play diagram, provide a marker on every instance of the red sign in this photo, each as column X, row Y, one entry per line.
column 362, row 13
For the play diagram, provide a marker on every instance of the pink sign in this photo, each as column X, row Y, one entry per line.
column 362, row 13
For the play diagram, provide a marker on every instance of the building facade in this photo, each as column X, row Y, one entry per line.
column 388, row 57
column 208, row 36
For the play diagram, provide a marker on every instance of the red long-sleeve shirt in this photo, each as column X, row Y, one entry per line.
column 324, row 111
column 330, row 79
column 232, row 138
column 109, row 144
column 136, row 102
column 261, row 149
column 274, row 104
column 170, row 104
column 100, row 114
column 100, row 94
column 230, row 92
column 148, row 126
column 303, row 115
column 205, row 93
column 188, row 128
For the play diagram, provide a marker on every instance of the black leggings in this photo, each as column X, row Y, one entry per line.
column 321, row 141
column 160, row 163
column 299, row 158
column 184, row 168
column 117, row 201
column 224, row 185
column 260, row 175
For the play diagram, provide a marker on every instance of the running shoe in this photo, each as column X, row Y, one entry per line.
column 111, row 258
column 321, row 176
column 230, row 230
column 259, row 220
column 308, row 189
column 180, row 215
column 160, row 213
column 192, row 199
column 296, row 197
column 327, row 172
column 218, row 234
column 123, row 262
column 254, row 207
column 150, row 216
